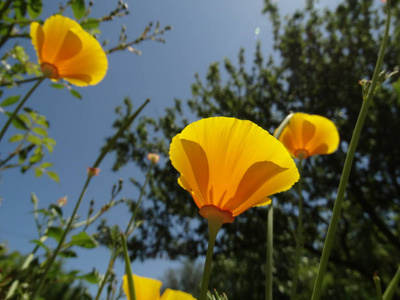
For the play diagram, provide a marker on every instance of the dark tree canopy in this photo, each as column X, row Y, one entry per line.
column 320, row 56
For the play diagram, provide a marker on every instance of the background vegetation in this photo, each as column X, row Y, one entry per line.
column 319, row 58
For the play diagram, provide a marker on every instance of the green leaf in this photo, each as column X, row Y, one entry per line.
column 38, row 172
column 35, row 8
column 17, row 122
column 55, row 233
column 58, row 85
column 78, row 8
column 40, row 244
column 90, row 24
column 55, row 209
column 34, row 139
column 20, row 8
column 396, row 87
column 53, row 175
column 41, row 120
column 83, row 240
column 75, row 94
column 36, row 158
column 10, row 100
column 16, row 138
column 45, row 165
column 92, row 277
column 40, row 131
column 24, row 118
column 68, row 253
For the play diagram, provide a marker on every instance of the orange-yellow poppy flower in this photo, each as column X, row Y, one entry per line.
column 149, row 289
column 65, row 50
column 306, row 135
column 229, row 165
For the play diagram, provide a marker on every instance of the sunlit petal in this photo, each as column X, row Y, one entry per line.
column 176, row 295
column 231, row 164
column 145, row 288
column 74, row 54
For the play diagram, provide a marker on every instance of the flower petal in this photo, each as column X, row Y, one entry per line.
column 145, row 288
column 77, row 56
column 176, row 295
column 231, row 164
column 37, row 35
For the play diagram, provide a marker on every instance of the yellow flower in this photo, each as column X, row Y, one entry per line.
column 306, row 135
column 229, row 165
column 149, row 289
column 67, row 51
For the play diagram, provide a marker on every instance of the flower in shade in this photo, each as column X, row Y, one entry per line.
column 149, row 289
column 306, row 135
column 229, row 165
column 65, row 50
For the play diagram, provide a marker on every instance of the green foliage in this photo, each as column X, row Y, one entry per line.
column 30, row 144
column 320, row 56
column 16, row 282
column 22, row 277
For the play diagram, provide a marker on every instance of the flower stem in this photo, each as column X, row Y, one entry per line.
column 299, row 235
column 14, row 114
column 270, row 251
column 127, row 230
column 377, row 283
column 393, row 286
column 103, row 153
column 105, row 278
column 348, row 164
column 128, row 269
column 214, row 225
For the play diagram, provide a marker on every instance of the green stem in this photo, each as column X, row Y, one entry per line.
column 105, row 150
column 299, row 235
column 109, row 269
column 378, row 288
column 270, row 251
column 348, row 164
column 393, row 286
column 14, row 114
column 138, row 203
column 128, row 269
column 214, row 225
column 19, row 81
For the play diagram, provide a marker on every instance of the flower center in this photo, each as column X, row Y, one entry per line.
column 211, row 211
column 301, row 154
column 49, row 71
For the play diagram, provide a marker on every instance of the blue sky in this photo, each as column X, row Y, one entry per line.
column 203, row 32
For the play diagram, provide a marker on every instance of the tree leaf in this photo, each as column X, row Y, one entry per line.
column 83, row 240
column 35, row 8
column 10, row 100
column 78, row 8
column 396, row 87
